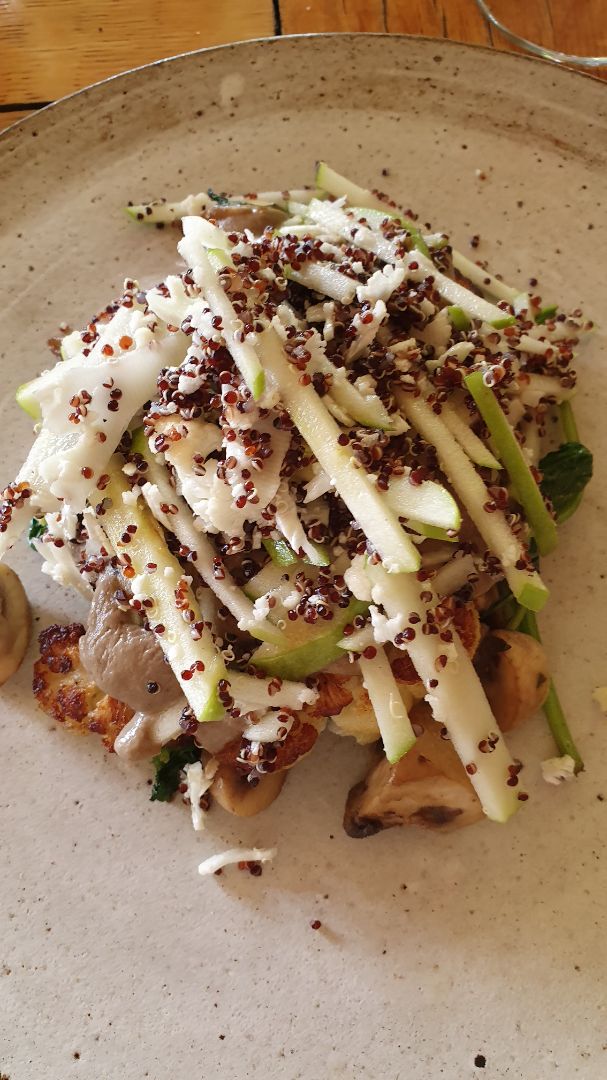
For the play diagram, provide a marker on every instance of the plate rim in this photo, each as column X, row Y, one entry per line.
column 10, row 132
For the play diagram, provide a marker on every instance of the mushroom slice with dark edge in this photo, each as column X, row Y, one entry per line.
column 427, row 787
column 15, row 623
column 514, row 671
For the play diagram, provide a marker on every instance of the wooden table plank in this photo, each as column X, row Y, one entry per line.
column 576, row 26
column 320, row 16
column 564, row 25
column 532, row 20
column 453, row 19
column 49, row 48
column 459, row 20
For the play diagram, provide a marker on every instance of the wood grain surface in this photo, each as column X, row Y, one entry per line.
column 49, row 48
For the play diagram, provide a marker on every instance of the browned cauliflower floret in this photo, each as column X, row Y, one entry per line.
column 64, row 690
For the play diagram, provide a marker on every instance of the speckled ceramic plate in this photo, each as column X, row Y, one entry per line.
column 117, row 962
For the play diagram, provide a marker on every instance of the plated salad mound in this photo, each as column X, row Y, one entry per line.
column 308, row 480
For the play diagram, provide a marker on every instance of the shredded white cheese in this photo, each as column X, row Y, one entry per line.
column 458, row 352
column 289, row 524
column 381, row 284
column 249, row 692
column 60, row 562
column 384, row 629
column 267, row 728
column 198, row 781
column 129, row 498
column 408, row 347
column 531, row 345
column 556, row 770
column 366, row 332
column 261, row 607
column 328, row 332
column 318, row 485
column 235, row 855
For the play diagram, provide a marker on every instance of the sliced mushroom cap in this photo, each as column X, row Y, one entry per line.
column 239, row 218
column 427, row 787
column 15, row 623
column 239, row 797
column 514, row 671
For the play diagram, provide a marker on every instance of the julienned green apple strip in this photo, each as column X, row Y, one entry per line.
column 552, row 708
column 280, row 552
column 244, row 354
column 392, row 717
column 325, row 278
column 568, row 422
column 428, row 503
column 418, row 266
column 366, row 504
column 181, row 525
column 367, row 409
column 157, row 492
column 315, row 653
column 455, row 694
column 358, row 197
column 339, row 187
column 458, row 318
column 196, row 663
column 476, row 449
column 526, row 585
column 504, row 439
column 484, row 280
column 162, row 212
column 255, row 693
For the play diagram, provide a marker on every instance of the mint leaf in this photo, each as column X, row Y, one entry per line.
column 217, row 197
column 37, row 528
column 565, row 473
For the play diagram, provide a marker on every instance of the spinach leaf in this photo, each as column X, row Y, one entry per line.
column 168, row 764
column 565, row 473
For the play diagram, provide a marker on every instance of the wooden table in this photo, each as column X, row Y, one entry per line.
column 49, row 48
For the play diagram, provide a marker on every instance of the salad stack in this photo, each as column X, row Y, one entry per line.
column 315, row 450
